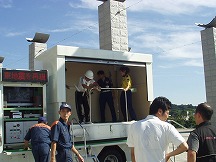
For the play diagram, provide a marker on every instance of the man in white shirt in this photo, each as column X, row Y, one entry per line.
column 149, row 138
column 81, row 95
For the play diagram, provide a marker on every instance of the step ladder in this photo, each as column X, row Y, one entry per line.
column 87, row 157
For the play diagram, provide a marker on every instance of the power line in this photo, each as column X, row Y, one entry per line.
column 179, row 46
column 118, row 12
column 89, row 27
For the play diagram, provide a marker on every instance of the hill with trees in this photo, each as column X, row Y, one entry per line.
column 183, row 115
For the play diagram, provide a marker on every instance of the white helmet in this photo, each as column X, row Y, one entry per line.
column 89, row 74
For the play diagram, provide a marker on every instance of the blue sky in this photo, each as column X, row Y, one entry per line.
column 164, row 28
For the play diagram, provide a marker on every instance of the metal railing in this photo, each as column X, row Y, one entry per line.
column 177, row 123
column 87, row 155
column 84, row 136
column 185, row 131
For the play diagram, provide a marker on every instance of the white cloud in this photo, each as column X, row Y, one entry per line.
column 184, row 62
column 89, row 25
column 13, row 34
column 171, row 45
column 167, row 40
column 85, row 44
column 194, row 62
column 60, row 30
column 169, row 6
column 6, row 3
column 160, row 6
column 78, row 28
column 181, row 45
column 89, row 4
column 159, row 25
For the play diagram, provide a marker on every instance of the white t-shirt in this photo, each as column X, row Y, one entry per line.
column 82, row 81
column 150, row 138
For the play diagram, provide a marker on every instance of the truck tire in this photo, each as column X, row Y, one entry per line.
column 111, row 155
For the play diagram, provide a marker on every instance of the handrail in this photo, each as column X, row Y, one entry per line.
column 174, row 157
column 177, row 123
column 126, row 107
column 84, row 136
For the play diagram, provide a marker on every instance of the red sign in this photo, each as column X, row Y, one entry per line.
column 39, row 76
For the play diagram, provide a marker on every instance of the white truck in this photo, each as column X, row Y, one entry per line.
column 28, row 94
column 105, row 142
column 66, row 64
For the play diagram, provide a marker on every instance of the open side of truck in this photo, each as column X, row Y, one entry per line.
column 67, row 64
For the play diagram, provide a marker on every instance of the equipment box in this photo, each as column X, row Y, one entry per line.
column 27, row 125
column 16, row 131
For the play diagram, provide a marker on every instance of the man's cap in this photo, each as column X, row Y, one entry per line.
column 65, row 105
column 42, row 119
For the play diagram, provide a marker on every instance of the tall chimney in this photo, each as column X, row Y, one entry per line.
column 37, row 46
column 113, row 33
column 34, row 49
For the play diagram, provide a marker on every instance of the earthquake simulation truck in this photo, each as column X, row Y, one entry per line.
column 52, row 79
column 28, row 94
column 66, row 64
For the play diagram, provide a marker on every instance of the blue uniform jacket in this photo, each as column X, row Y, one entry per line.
column 61, row 135
column 39, row 133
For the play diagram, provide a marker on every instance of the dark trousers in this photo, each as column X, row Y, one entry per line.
column 207, row 159
column 106, row 97
column 41, row 152
column 65, row 155
column 129, row 105
column 82, row 99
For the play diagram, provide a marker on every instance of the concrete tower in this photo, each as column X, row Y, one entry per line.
column 208, row 37
column 113, row 33
column 37, row 46
column 34, row 49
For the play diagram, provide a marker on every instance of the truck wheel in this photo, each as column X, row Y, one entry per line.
column 111, row 155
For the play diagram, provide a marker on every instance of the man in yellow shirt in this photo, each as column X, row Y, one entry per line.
column 126, row 85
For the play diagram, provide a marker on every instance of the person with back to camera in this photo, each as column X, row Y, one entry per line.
column 105, row 96
column 149, row 138
column 126, row 85
column 39, row 134
column 61, row 138
column 202, row 141
column 81, row 95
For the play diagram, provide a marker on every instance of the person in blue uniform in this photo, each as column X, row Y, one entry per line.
column 61, row 138
column 105, row 96
column 126, row 85
column 39, row 134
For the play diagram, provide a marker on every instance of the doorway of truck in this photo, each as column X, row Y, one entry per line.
column 76, row 67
